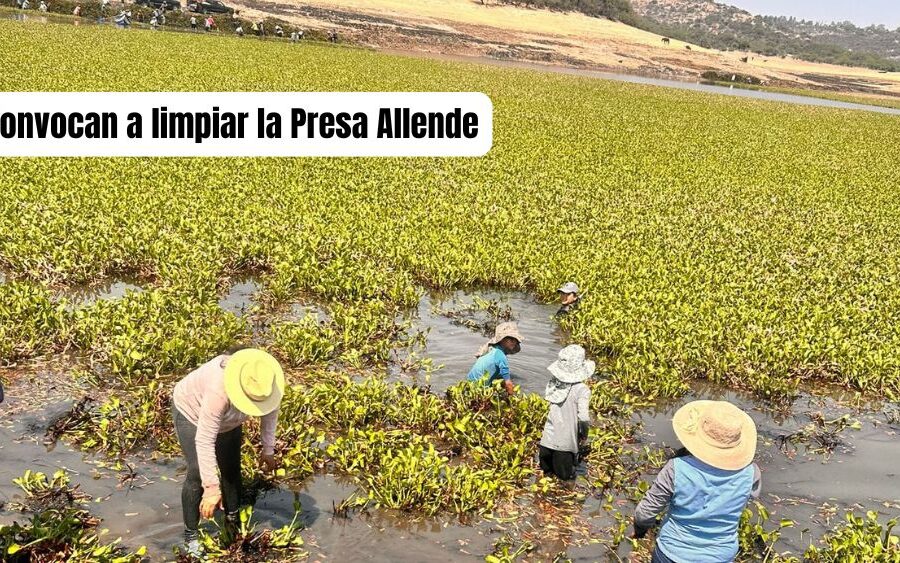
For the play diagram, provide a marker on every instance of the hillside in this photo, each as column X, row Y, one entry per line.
column 722, row 26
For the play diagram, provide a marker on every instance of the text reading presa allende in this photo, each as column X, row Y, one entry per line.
column 198, row 126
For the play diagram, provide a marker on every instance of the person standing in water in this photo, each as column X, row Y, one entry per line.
column 569, row 417
column 209, row 407
column 492, row 363
column 705, row 489
column 568, row 298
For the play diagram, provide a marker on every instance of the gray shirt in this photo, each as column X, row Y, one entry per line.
column 660, row 494
column 561, row 428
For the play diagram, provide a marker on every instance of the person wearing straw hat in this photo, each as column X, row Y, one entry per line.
column 209, row 407
column 706, row 489
column 492, row 364
column 568, row 298
column 569, row 418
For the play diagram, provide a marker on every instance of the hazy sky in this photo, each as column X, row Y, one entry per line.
column 860, row 12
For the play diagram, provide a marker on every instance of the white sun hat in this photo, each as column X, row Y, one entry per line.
column 569, row 287
column 572, row 367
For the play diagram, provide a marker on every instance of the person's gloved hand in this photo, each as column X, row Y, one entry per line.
column 583, row 427
column 209, row 504
column 639, row 532
column 268, row 462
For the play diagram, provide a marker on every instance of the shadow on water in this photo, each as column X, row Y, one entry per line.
column 81, row 296
column 452, row 345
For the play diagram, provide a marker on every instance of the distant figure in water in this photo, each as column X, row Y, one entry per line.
column 568, row 420
column 568, row 298
column 492, row 364
column 703, row 490
column 210, row 406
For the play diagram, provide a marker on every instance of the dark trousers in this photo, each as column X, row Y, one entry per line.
column 228, row 458
column 659, row 556
column 555, row 462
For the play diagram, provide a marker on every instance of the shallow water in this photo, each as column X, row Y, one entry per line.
column 454, row 346
column 861, row 473
column 239, row 299
column 82, row 296
column 695, row 86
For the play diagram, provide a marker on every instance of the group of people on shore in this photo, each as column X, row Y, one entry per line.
column 702, row 490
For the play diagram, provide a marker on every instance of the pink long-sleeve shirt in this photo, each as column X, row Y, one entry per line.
column 201, row 398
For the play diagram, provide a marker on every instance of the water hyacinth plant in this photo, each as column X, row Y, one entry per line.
column 59, row 527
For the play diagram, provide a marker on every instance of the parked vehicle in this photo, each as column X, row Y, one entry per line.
column 209, row 7
column 166, row 5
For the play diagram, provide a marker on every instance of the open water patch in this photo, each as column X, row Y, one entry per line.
column 241, row 296
column 455, row 325
column 81, row 296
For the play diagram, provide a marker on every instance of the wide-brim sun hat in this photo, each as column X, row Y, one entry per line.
column 717, row 433
column 508, row 329
column 254, row 382
column 571, row 365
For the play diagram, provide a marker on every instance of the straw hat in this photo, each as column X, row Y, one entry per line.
column 571, row 367
column 254, row 382
column 510, row 329
column 717, row 433
column 568, row 287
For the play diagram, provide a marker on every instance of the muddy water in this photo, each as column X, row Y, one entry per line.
column 452, row 346
column 82, row 296
column 240, row 296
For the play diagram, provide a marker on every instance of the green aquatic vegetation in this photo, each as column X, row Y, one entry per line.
column 59, row 528
column 355, row 334
column 124, row 422
column 736, row 241
column 858, row 539
column 155, row 331
column 30, row 321
column 245, row 543
column 505, row 551
column 304, row 342
column 757, row 539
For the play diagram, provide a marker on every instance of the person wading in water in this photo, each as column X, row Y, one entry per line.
column 568, row 298
column 209, row 407
column 568, row 420
column 492, row 364
column 705, row 488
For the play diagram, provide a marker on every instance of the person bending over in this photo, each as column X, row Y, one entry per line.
column 209, row 407
column 704, row 490
column 492, row 363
